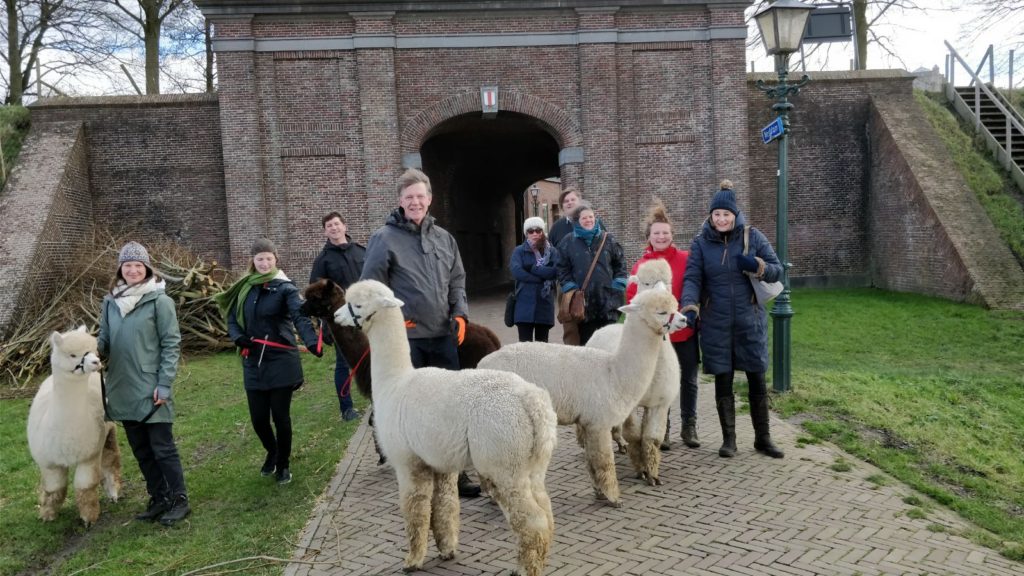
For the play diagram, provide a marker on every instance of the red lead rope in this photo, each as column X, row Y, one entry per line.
column 319, row 343
column 347, row 386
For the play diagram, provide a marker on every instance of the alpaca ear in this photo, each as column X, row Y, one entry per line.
column 629, row 308
column 56, row 339
column 391, row 302
column 634, row 279
column 81, row 328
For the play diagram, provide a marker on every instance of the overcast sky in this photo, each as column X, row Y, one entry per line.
column 917, row 38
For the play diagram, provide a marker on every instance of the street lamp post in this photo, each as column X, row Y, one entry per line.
column 535, row 192
column 782, row 25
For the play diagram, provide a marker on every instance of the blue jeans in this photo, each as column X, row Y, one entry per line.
column 439, row 352
column 341, row 370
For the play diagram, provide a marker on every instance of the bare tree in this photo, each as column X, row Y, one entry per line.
column 144, row 20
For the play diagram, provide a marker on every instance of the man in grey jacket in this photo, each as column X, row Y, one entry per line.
column 420, row 261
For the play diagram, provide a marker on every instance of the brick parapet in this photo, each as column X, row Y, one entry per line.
column 46, row 216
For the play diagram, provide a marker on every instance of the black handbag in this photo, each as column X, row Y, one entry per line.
column 510, row 309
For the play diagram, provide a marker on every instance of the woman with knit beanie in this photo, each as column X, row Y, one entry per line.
column 262, row 311
column 139, row 339
column 605, row 289
column 533, row 266
column 733, row 326
column 661, row 247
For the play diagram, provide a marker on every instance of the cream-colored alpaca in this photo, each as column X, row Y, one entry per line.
column 432, row 423
column 643, row 442
column 594, row 388
column 66, row 429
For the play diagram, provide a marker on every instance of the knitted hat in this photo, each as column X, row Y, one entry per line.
column 724, row 199
column 263, row 245
column 134, row 252
column 534, row 222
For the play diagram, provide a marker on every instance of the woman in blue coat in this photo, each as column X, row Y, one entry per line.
column 262, row 312
column 533, row 267
column 733, row 326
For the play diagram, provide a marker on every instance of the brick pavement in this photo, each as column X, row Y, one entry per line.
column 749, row 515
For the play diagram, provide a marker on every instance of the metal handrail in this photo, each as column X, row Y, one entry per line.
column 979, row 87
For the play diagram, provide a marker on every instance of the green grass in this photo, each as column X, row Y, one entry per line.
column 982, row 173
column 236, row 512
column 930, row 391
column 14, row 123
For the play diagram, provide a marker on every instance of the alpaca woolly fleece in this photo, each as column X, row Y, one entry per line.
column 597, row 388
column 643, row 445
column 433, row 423
column 66, row 429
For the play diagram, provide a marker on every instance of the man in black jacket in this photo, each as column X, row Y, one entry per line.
column 341, row 261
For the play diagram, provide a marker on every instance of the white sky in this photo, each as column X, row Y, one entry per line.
column 917, row 38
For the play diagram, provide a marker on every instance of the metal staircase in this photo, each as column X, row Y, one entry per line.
column 981, row 104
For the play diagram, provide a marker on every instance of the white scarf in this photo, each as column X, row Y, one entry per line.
column 127, row 297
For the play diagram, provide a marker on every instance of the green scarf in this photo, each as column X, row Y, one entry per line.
column 235, row 296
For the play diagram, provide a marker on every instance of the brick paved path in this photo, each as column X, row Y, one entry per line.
column 749, row 515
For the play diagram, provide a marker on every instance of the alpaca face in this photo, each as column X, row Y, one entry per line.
column 323, row 297
column 74, row 352
column 658, row 309
column 363, row 300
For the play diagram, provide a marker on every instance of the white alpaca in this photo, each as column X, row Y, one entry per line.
column 433, row 423
column 594, row 388
column 66, row 429
column 643, row 442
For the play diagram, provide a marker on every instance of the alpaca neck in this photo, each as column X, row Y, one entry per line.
column 390, row 347
column 71, row 392
column 638, row 349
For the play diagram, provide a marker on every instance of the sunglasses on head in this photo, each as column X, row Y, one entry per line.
column 534, row 230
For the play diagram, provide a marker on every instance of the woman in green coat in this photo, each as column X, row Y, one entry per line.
column 139, row 339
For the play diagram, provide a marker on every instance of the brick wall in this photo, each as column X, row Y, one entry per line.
column 154, row 164
column 46, row 212
column 828, row 170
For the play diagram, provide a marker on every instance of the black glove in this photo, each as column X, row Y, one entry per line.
column 746, row 263
column 243, row 342
column 691, row 318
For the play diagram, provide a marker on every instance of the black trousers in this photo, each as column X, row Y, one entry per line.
column 756, row 384
column 438, row 352
column 153, row 447
column 529, row 332
column 688, row 353
column 588, row 327
column 275, row 403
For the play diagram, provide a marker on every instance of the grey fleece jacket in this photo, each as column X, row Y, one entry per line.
column 422, row 265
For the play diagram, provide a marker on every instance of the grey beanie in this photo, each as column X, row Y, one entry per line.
column 134, row 252
column 535, row 222
column 263, row 245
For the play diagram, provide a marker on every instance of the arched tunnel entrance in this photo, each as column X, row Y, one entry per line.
column 479, row 169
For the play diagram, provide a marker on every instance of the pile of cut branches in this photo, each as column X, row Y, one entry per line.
column 191, row 282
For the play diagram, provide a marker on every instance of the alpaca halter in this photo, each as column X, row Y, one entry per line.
column 356, row 317
column 81, row 363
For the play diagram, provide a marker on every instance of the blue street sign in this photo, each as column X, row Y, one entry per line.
column 772, row 131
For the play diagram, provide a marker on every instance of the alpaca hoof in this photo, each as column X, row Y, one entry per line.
column 615, row 503
column 447, row 555
column 47, row 515
column 653, row 481
column 411, row 568
column 599, row 496
column 641, row 476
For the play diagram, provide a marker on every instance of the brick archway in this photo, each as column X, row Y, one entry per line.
column 562, row 127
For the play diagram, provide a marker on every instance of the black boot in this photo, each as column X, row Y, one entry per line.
column 466, row 488
column 690, row 433
column 179, row 510
column 269, row 465
column 156, row 508
column 762, row 438
column 727, row 418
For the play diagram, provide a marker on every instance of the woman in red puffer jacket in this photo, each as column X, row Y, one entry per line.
column 685, row 341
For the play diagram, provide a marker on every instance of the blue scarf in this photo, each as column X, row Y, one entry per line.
column 586, row 235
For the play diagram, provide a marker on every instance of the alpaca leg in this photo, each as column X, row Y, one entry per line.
column 620, row 442
column 415, row 491
column 540, row 495
column 53, row 491
column 528, row 520
column 444, row 514
column 87, row 495
column 602, row 462
column 580, row 436
column 655, row 421
column 632, row 434
column 110, row 463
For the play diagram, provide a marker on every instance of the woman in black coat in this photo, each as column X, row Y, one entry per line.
column 261, row 310
column 733, row 326
column 533, row 265
column 607, row 286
